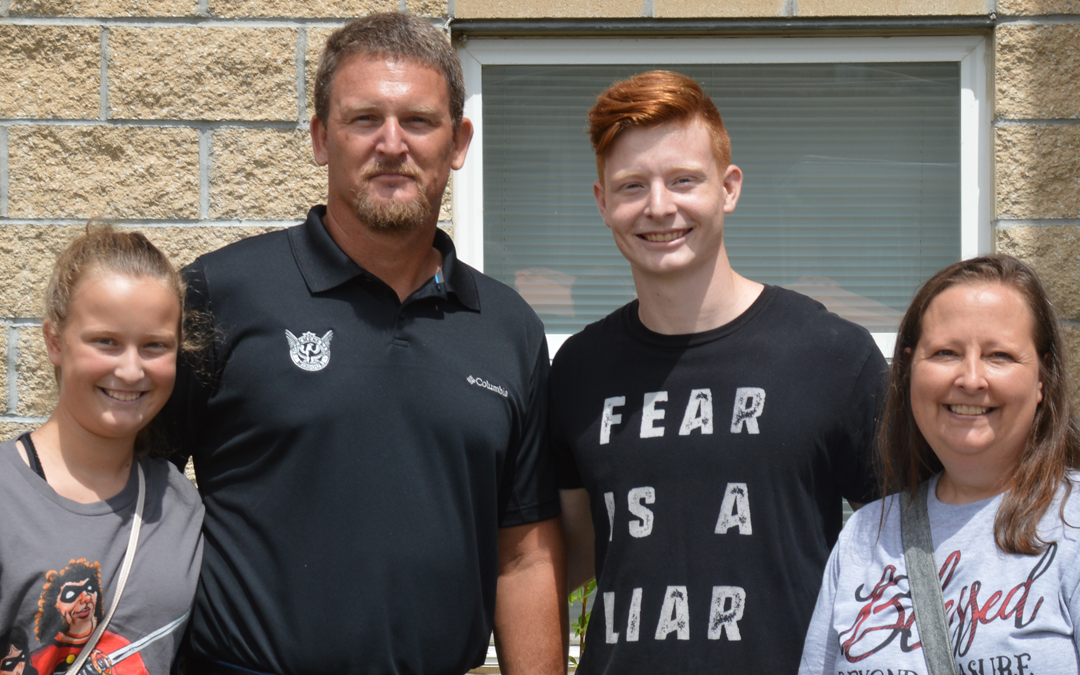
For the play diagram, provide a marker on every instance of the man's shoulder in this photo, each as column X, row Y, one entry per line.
column 247, row 254
column 592, row 339
column 811, row 322
column 500, row 302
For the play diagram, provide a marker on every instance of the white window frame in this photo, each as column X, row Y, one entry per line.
column 968, row 51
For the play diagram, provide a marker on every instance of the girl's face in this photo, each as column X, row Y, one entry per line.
column 116, row 353
column 975, row 380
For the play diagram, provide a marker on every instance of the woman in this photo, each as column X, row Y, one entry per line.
column 978, row 406
column 76, row 488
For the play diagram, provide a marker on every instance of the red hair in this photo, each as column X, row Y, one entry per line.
column 649, row 100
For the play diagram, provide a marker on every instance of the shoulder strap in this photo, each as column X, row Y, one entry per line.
column 125, row 569
column 926, row 597
column 32, row 456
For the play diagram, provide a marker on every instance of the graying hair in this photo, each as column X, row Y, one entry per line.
column 396, row 35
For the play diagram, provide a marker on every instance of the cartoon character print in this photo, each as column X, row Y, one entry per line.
column 70, row 608
column 15, row 654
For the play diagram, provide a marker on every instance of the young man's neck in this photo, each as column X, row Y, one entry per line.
column 404, row 261
column 700, row 300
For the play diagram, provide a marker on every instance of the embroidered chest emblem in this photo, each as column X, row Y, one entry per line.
column 309, row 351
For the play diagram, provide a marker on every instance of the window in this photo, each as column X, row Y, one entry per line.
column 866, row 165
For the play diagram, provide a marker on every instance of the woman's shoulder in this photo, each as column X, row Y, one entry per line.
column 871, row 525
column 163, row 475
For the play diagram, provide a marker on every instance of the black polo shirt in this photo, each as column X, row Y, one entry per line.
column 357, row 456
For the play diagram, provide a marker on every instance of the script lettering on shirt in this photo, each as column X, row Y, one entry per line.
column 886, row 611
column 726, row 610
column 697, row 415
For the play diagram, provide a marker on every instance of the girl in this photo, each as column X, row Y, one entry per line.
column 100, row 544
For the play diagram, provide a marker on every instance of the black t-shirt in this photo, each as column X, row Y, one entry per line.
column 357, row 456
column 715, row 464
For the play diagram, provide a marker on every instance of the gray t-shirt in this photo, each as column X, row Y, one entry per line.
column 1008, row 614
column 60, row 560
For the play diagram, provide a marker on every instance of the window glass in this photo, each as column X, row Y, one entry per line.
column 851, row 192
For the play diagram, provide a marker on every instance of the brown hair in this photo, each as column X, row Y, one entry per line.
column 1053, row 444
column 649, row 100
column 48, row 621
column 398, row 36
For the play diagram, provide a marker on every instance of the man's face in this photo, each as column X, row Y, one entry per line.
column 664, row 197
column 13, row 662
column 76, row 603
column 389, row 143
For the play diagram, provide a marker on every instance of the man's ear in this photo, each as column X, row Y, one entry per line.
column 732, row 187
column 318, row 142
column 462, row 138
column 601, row 199
column 52, row 340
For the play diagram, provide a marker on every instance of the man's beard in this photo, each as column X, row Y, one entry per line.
column 392, row 216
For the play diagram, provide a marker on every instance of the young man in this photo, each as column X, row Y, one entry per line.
column 707, row 432
column 365, row 495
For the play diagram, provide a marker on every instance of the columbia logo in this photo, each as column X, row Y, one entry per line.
column 487, row 385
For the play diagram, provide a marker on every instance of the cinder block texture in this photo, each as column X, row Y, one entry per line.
column 446, row 211
column 1032, row 7
column 14, row 429
column 891, row 8
column 1038, row 171
column 1072, row 347
column 114, row 172
column 316, row 41
column 301, row 8
column 1054, row 252
column 1037, row 70
column 428, row 7
column 50, row 71
column 105, row 7
column 36, row 247
column 266, row 174
column 3, row 371
column 37, row 383
column 202, row 73
column 555, row 9
column 688, row 9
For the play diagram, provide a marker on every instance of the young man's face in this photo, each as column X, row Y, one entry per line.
column 664, row 198
column 389, row 142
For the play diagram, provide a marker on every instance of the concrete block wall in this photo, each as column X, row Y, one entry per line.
column 188, row 119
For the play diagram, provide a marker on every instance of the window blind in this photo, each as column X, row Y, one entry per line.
column 851, row 192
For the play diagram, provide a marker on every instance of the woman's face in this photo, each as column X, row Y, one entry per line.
column 116, row 353
column 975, row 380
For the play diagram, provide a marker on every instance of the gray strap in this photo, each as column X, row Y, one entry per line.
column 125, row 569
column 926, row 597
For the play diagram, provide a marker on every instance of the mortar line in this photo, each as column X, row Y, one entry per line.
column 185, row 124
column 647, row 10
column 1039, row 20
column 204, row 8
column 1010, row 223
column 204, row 173
column 103, row 113
column 1069, row 322
column 148, row 223
column 403, row 5
column 5, row 177
column 12, row 369
column 1031, row 122
column 301, row 74
column 5, row 7
column 17, row 321
column 21, row 419
column 177, row 21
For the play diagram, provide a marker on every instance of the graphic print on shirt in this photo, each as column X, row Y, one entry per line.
column 309, row 351
column 70, row 608
column 885, row 613
column 727, row 603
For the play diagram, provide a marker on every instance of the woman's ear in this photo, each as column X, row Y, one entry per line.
column 52, row 340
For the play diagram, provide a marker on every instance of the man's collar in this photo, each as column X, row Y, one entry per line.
column 324, row 265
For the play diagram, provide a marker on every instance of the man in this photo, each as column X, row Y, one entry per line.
column 369, row 423
column 707, row 431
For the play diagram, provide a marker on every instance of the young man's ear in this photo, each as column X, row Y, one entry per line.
column 732, row 187
column 601, row 199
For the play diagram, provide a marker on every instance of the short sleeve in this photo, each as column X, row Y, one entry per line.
column 529, row 494
column 852, row 456
column 566, row 469
column 821, row 645
column 183, row 417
